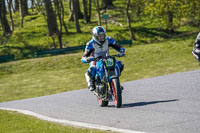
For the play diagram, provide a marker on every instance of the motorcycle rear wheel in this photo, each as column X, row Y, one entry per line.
column 117, row 92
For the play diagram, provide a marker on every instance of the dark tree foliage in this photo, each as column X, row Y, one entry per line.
column 107, row 4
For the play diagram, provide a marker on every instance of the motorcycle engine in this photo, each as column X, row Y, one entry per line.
column 100, row 87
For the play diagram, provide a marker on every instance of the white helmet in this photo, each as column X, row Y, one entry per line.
column 99, row 34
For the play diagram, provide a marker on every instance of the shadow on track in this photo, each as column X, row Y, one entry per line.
column 146, row 103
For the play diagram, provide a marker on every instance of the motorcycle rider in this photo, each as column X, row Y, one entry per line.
column 99, row 46
column 196, row 49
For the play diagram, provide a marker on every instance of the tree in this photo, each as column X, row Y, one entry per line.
column 107, row 4
column 78, row 10
column 16, row 5
column 4, row 21
column 52, row 23
column 98, row 11
column 21, row 13
column 10, row 14
column 60, row 13
column 75, row 14
column 129, row 21
column 23, row 9
column 167, row 9
column 190, row 10
column 87, row 16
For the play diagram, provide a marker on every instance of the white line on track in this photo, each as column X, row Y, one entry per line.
column 71, row 123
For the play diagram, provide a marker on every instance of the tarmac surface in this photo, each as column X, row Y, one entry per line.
column 165, row 104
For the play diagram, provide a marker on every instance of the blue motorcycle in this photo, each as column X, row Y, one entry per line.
column 107, row 82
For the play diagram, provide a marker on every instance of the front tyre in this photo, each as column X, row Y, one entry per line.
column 117, row 92
column 102, row 103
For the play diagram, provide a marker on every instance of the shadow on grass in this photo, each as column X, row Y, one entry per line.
column 158, row 34
column 129, row 105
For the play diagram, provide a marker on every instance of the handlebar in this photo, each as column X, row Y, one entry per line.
column 106, row 57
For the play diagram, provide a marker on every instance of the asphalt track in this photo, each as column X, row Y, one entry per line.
column 165, row 104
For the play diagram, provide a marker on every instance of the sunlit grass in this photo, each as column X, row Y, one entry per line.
column 12, row 122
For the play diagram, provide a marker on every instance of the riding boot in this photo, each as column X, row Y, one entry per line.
column 90, row 82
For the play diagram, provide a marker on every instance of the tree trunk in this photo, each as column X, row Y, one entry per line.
column 62, row 16
column 32, row 5
column 58, row 10
column 52, row 23
column 129, row 21
column 98, row 10
column 79, row 13
column 71, row 16
column 60, row 13
column 107, row 4
column 10, row 14
column 85, row 10
column 170, row 27
column 21, row 13
column 51, row 18
column 87, row 15
column 90, row 10
column 24, row 5
column 75, row 12
column 16, row 5
column 4, row 21
column 78, row 10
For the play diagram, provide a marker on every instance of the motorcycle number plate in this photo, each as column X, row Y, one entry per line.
column 109, row 62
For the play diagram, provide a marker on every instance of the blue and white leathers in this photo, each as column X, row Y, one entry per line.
column 95, row 49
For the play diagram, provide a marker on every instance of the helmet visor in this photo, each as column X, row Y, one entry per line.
column 101, row 37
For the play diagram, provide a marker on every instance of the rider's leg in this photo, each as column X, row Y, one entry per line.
column 90, row 76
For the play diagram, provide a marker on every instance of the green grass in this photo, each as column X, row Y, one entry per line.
column 12, row 122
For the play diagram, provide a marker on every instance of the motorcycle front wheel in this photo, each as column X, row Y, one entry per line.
column 102, row 103
column 117, row 92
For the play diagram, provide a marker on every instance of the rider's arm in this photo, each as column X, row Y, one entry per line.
column 112, row 43
column 89, row 50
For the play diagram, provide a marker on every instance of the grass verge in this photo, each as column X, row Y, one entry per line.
column 12, row 122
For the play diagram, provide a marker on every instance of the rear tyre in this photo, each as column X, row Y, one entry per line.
column 102, row 103
column 117, row 92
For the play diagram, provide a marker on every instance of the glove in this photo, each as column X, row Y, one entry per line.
column 87, row 59
column 122, row 52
